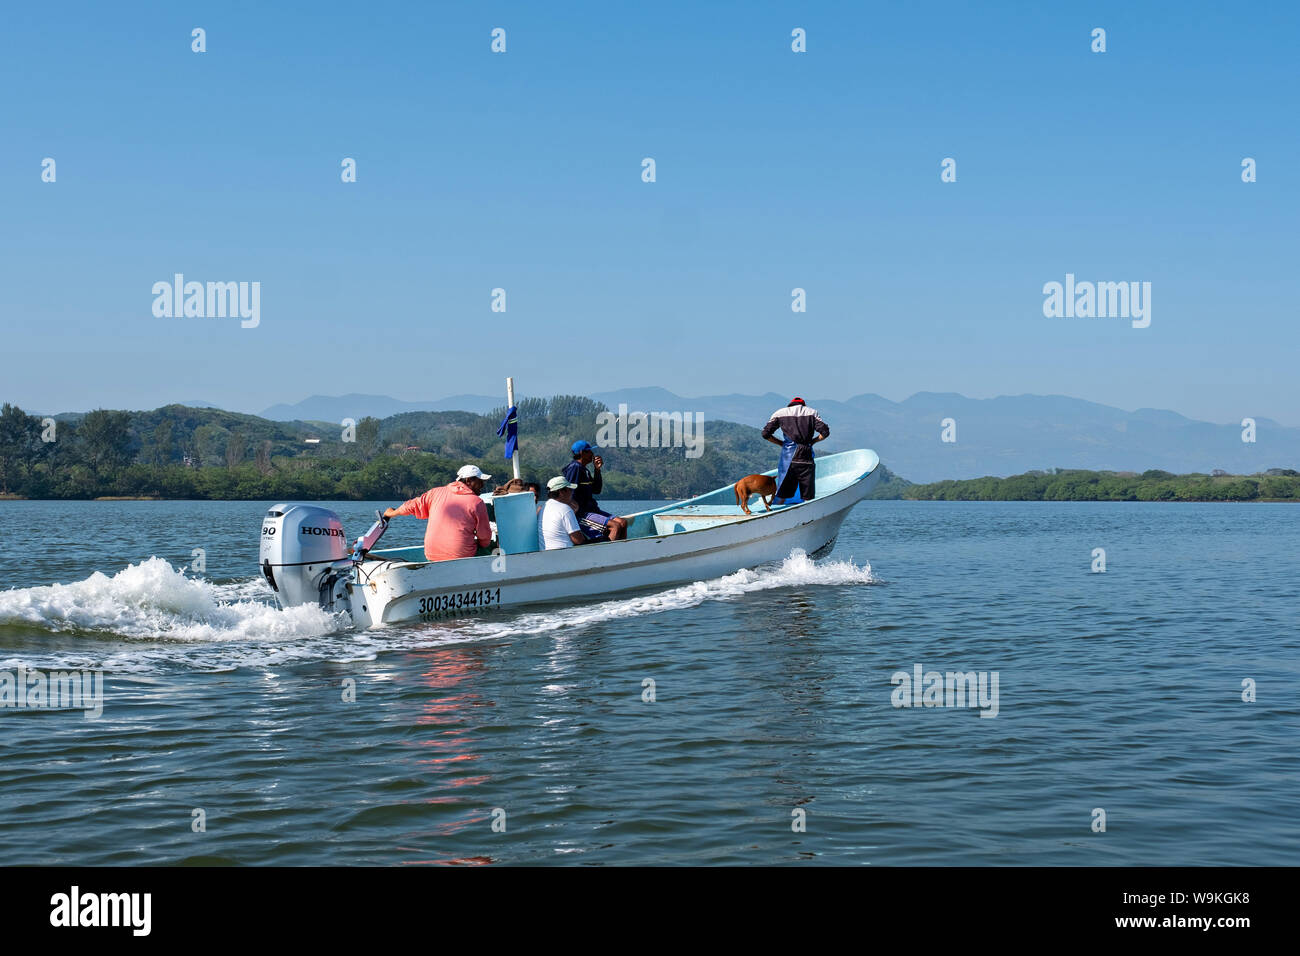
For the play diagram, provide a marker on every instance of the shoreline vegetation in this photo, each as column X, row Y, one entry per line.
column 182, row 453
column 1061, row 484
column 178, row 452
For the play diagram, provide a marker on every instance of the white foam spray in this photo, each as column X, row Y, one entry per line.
column 152, row 616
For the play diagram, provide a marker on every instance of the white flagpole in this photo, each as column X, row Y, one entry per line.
column 510, row 401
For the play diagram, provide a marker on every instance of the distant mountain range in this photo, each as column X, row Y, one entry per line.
column 998, row 436
column 335, row 408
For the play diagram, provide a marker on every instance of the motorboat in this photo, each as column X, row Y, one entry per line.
column 306, row 558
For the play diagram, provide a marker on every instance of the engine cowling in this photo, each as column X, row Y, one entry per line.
column 304, row 555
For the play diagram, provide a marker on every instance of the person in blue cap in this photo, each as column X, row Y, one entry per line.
column 596, row 524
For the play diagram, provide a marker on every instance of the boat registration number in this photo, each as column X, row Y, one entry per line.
column 460, row 601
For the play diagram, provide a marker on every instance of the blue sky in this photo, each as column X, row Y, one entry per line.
column 775, row 170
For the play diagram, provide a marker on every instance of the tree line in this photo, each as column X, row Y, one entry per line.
column 182, row 452
column 1277, row 484
column 201, row 453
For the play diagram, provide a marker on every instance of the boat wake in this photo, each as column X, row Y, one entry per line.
column 797, row 570
column 152, row 616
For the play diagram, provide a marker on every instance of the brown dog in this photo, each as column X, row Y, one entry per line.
column 762, row 485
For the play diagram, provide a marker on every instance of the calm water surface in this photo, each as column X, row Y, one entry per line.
column 1120, row 691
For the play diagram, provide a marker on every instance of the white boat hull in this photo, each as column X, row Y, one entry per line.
column 387, row 591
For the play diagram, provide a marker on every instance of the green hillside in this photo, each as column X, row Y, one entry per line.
column 183, row 452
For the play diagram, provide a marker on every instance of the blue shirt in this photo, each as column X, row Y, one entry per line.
column 588, row 487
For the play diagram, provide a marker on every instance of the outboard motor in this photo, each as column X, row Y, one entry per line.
column 304, row 556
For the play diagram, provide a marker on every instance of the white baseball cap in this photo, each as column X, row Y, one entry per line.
column 471, row 471
column 558, row 482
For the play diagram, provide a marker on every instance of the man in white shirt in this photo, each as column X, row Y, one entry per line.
column 557, row 526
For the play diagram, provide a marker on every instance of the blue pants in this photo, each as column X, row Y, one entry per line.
column 803, row 486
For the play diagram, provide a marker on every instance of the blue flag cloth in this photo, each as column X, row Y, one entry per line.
column 509, row 427
column 787, row 454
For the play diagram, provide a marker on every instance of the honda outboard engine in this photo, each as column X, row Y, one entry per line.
column 305, row 556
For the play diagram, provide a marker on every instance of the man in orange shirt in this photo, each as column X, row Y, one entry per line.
column 457, row 516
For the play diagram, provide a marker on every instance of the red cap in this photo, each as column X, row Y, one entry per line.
column 797, row 401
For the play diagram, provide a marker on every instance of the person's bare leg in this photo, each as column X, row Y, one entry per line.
column 617, row 529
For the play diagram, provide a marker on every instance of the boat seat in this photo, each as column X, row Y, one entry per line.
column 413, row 554
column 694, row 517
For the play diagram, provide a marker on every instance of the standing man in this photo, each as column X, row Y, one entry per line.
column 596, row 524
column 457, row 516
column 802, row 428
